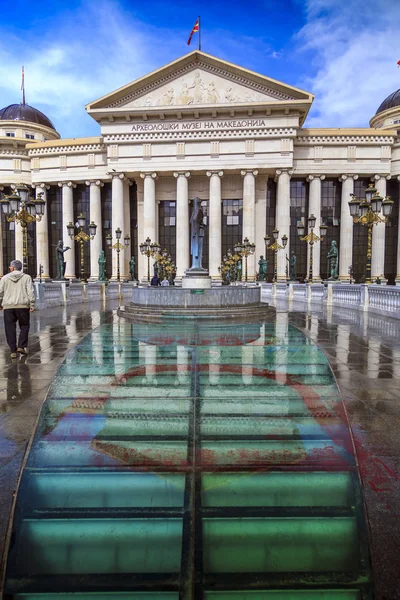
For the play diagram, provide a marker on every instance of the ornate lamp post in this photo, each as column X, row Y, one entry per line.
column 367, row 212
column 245, row 249
column 117, row 246
column 311, row 238
column 20, row 208
column 82, row 238
column 275, row 247
column 149, row 248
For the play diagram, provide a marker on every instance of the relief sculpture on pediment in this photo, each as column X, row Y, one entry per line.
column 200, row 88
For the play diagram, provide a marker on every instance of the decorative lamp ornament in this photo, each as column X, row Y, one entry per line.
column 275, row 234
column 322, row 231
column 40, row 205
column 23, row 192
column 301, row 229
column 364, row 207
column 118, row 233
column 284, row 240
column 387, row 206
column 92, row 229
column 376, row 203
column 109, row 240
column 370, row 192
column 71, row 229
column 15, row 202
column 267, row 240
column 311, row 221
column 5, row 205
column 127, row 239
column 354, row 206
column 81, row 220
column 31, row 208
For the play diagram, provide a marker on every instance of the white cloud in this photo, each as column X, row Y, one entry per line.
column 354, row 47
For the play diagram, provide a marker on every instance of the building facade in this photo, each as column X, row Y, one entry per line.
column 200, row 126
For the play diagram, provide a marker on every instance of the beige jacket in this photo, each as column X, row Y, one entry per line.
column 16, row 291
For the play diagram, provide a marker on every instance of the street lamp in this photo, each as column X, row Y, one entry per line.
column 367, row 212
column 149, row 248
column 275, row 247
column 117, row 246
column 19, row 207
column 82, row 238
column 311, row 238
column 245, row 249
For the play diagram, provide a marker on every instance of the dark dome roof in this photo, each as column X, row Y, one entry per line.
column 24, row 112
column 390, row 102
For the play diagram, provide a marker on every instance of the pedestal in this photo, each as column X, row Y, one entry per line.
column 196, row 279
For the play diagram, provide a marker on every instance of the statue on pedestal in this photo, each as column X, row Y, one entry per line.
column 333, row 257
column 132, row 268
column 197, row 227
column 61, row 264
column 102, row 266
column 239, row 271
column 292, row 267
column 262, row 268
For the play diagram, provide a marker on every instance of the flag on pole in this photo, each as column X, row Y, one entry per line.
column 194, row 30
column 398, row 63
column 23, row 85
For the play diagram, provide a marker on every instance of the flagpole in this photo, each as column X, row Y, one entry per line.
column 23, row 86
column 199, row 34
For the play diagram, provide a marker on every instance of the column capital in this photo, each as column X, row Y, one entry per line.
column 182, row 174
column 115, row 175
column 280, row 172
column 347, row 176
column 42, row 186
column 219, row 173
column 315, row 176
column 96, row 182
column 148, row 174
column 249, row 172
column 69, row 184
column 380, row 176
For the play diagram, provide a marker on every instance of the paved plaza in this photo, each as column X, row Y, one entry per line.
column 362, row 350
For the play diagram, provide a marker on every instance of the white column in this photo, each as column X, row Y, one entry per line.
column 261, row 217
column 68, row 217
column 96, row 245
column 117, row 218
column 346, row 227
column 282, row 218
column 42, row 235
column 126, row 253
column 314, row 208
column 214, row 230
column 249, row 217
column 1, row 244
column 378, row 235
column 19, row 242
column 149, row 205
column 182, row 223
column 398, row 244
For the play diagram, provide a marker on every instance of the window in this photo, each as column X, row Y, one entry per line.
column 106, row 212
column 167, row 227
column 81, row 205
column 360, row 236
column 232, row 217
column 10, row 134
column 331, row 193
column 298, row 213
column 391, row 233
column 270, row 222
column 29, row 136
column 54, row 215
column 134, row 226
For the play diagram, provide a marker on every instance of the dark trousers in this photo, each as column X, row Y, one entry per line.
column 11, row 317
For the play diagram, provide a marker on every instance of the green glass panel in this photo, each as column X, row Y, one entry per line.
column 285, row 595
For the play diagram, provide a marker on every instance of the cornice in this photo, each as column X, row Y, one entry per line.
column 67, row 146
column 345, row 136
column 16, row 152
column 218, row 133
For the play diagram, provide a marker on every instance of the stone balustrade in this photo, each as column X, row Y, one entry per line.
column 59, row 293
column 384, row 299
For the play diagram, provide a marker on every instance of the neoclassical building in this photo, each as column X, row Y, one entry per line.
column 201, row 126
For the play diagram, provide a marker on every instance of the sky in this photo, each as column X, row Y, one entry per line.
column 345, row 52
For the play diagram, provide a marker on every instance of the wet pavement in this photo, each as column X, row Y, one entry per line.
column 363, row 351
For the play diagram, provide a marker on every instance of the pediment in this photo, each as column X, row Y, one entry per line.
column 198, row 79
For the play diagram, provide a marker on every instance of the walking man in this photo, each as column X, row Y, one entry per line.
column 17, row 299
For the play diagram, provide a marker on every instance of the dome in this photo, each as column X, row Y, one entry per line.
column 391, row 102
column 25, row 112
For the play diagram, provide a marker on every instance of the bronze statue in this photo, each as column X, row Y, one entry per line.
column 61, row 264
column 262, row 268
column 333, row 257
column 132, row 268
column 197, row 235
column 102, row 266
column 239, row 270
column 292, row 267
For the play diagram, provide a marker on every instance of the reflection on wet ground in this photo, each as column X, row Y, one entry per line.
column 193, row 462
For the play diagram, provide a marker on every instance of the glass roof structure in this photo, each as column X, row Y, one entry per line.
column 199, row 461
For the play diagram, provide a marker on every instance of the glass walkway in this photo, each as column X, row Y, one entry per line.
column 191, row 462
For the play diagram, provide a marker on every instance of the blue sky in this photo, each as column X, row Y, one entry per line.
column 343, row 51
